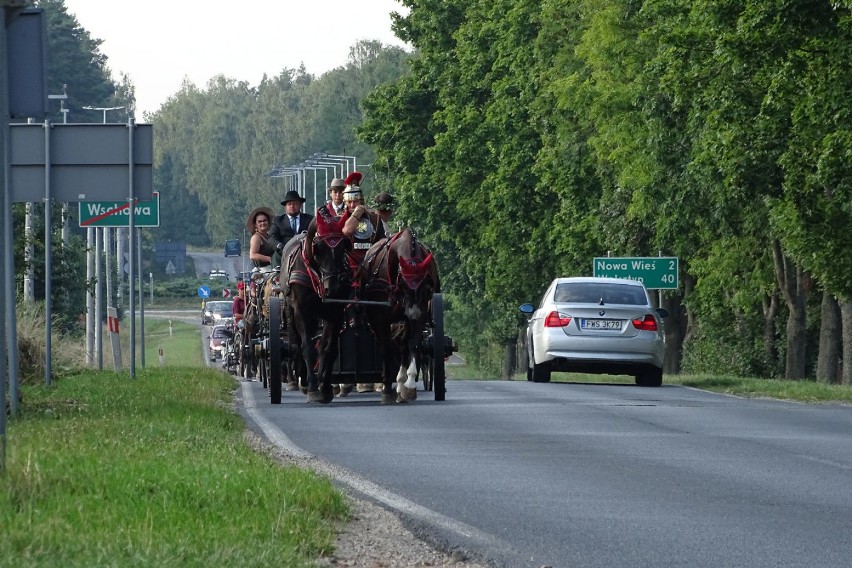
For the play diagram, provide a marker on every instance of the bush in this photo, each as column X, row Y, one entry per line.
column 68, row 348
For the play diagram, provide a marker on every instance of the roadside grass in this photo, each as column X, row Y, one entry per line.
column 802, row 391
column 103, row 470
column 180, row 345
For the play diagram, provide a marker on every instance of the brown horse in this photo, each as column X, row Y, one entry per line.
column 312, row 272
column 402, row 271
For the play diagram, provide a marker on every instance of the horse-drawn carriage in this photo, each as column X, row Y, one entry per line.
column 320, row 323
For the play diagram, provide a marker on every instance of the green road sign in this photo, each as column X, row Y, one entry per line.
column 117, row 213
column 655, row 272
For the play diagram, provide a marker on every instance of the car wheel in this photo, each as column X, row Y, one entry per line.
column 650, row 377
column 540, row 373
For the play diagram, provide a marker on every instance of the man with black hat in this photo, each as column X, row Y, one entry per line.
column 290, row 224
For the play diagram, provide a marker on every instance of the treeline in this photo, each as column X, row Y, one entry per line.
column 531, row 136
column 214, row 147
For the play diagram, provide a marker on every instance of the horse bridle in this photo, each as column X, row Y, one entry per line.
column 343, row 275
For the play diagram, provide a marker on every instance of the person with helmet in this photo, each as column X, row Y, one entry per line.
column 363, row 225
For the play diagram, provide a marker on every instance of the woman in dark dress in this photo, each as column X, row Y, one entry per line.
column 260, row 249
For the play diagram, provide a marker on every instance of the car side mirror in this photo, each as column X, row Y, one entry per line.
column 663, row 312
column 527, row 309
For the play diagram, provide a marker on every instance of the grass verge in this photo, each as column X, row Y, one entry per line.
column 802, row 391
column 103, row 470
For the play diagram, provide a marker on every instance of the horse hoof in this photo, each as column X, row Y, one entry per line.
column 346, row 389
column 365, row 387
column 408, row 394
column 291, row 386
column 343, row 393
column 401, row 400
column 315, row 396
column 388, row 399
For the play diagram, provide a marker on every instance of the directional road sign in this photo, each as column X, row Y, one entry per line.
column 655, row 272
column 203, row 292
column 117, row 213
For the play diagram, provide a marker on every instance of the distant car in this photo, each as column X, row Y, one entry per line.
column 216, row 311
column 217, row 274
column 218, row 335
column 596, row 325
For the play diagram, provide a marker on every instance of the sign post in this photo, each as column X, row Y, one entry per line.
column 112, row 320
column 655, row 272
column 117, row 213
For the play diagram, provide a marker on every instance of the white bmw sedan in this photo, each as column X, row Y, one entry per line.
column 596, row 325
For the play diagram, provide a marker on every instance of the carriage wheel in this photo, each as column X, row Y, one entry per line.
column 241, row 357
column 261, row 356
column 275, row 350
column 436, row 357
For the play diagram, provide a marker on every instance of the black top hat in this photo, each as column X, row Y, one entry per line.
column 292, row 195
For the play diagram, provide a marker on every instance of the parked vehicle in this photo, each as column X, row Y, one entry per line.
column 596, row 325
column 218, row 274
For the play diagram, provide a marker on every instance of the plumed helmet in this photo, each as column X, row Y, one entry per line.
column 353, row 187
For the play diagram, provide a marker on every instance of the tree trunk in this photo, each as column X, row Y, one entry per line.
column 793, row 283
column 523, row 354
column 509, row 360
column 675, row 327
column 770, row 347
column 846, row 323
column 830, row 341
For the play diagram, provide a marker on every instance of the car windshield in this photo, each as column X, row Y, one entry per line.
column 224, row 309
column 596, row 293
column 220, row 333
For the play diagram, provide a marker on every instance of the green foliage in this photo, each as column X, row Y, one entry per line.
column 76, row 66
column 155, row 471
column 214, row 146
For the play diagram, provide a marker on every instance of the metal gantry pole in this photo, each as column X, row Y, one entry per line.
column 141, row 298
column 99, row 310
column 48, row 262
column 7, row 307
column 90, row 296
column 131, row 199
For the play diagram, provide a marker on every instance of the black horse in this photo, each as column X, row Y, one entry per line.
column 401, row 271
column 313, row 270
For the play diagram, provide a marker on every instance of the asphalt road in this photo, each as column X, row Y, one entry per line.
column 566, row 475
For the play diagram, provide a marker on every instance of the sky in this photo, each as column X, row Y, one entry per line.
column 158, row 43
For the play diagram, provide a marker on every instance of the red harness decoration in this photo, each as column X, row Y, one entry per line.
column 328, row 224
column 414, row 272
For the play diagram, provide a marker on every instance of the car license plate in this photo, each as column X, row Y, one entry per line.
column 600, row 324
